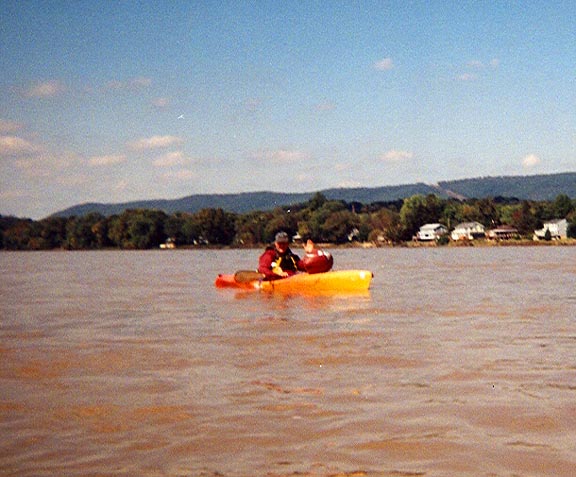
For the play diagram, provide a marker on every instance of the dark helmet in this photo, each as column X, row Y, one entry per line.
column 282, row 237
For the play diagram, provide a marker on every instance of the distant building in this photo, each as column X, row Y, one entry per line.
column 169, row 244
column 469, row 231
column 431, row 232
column 558, row 230
column 354, row 234
column 503, row 232
column 297, row 239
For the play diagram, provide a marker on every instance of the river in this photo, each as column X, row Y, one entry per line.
column 459, row 362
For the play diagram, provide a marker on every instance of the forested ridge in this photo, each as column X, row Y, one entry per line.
column 536, row 187
column 319, row 218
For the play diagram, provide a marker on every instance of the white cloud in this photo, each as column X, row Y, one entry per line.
column 61, row 160
column 72, row 180
column 114, row 85
column 340, row 167
column 467, row 77
column 480, row 65
column 16, row 146
column 476, row 64
column 252, row 104
column 121, row 186
column 477, row 67
column 140, row 82
column 160, row 103
column 530, row 161
column 154, row 142
column 47, row 164
column 385, row 64
column 349, row 184
column 133, row 84
column 12, row 194
column 170, row 159
column 32, row 168
column 46, row 89
column 108, row 160
column 395, row 155
column 7, row 127
column 325, row 106
column 182, row 175
column 282, row 156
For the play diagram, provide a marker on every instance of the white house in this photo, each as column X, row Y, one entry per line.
column 169, row 244
column 558, row 229
column 431, row 232
column 468, row 231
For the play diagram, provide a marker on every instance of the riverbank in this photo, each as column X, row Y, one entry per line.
column 411, row 244
column 351, row 245
column 452, row 243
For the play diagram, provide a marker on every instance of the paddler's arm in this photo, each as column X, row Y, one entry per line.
column 265, row 265
column 308, row 248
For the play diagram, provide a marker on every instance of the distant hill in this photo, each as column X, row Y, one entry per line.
column 249, row 201
column 537, row 187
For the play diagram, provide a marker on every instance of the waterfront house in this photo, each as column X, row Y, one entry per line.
column 558, row 230
column 503, row 232
column 468, row 231
column 431, row 232
column 169, row 244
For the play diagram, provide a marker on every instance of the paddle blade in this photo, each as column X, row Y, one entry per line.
column 245, row 276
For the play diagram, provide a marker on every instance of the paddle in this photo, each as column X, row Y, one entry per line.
column 245, row 276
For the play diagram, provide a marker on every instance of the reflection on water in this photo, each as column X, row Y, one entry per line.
column 458, row 362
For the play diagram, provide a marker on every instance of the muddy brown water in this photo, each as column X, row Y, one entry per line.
column 458, row 362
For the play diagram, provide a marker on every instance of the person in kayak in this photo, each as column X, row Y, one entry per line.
column 278, row 261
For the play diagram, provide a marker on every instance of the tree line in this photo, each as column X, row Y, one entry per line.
column 321, row 219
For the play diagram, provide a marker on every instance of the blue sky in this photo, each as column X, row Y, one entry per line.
column 118, row 101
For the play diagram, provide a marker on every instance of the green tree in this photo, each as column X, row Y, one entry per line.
column 563, row 206
column 417, row 211
column 572, row 225
column 140, row 231
column 100, row 231
column 507, row 213
column 487, row 212
column 318, row 218
column 79, row 232
column 191, row 230
column 385, row 223
column 216, row 226
column 317, row 201
column 338, row 225
column 524, row 219
column 364, row 227
column 173, row 226
column 145, row 229
column 17, row 233
column 53, row 231
column 452, row 214
column 134, row 229
column 280, row 220
column 118, row 230
column 251, row 227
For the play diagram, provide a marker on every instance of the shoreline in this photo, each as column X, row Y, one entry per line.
column 462, row 243
column 483, row 243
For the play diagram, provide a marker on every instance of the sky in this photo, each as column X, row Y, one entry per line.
column 104, row 101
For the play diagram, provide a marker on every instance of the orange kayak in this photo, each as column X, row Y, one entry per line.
column 334, row 282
